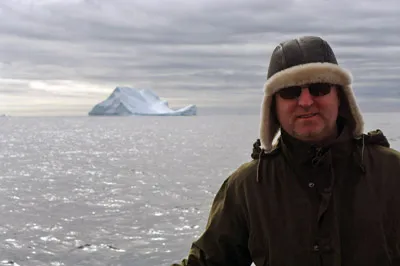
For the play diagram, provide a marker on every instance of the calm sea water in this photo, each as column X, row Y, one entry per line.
column 118, row 190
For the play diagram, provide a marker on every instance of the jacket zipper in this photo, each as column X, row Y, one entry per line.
column 318, row 155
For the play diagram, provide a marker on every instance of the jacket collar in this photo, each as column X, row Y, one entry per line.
column 300, row 152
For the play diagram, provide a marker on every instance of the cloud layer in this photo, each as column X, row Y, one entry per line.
column 68, row 55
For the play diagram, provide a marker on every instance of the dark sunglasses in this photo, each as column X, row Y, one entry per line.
column 315, row 89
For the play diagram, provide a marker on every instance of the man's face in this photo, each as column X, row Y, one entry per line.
column 312, row 115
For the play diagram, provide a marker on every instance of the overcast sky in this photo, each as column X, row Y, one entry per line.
column 61, row 57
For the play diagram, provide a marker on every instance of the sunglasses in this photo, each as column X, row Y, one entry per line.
column 315, row 89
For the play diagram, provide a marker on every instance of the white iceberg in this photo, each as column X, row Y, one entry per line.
column 125, row 101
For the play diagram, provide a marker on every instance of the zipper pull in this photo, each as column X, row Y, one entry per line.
column 317, row 158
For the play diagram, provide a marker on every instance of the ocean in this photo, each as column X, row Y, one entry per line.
column 119, row 190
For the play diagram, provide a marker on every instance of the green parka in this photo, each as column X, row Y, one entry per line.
column 296, row 204
column 299, row 205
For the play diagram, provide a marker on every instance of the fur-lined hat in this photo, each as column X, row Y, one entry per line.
column 305, row 60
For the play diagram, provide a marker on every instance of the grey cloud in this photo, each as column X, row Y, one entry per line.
column 8, row 90
column 20, row 90
column 192, row 45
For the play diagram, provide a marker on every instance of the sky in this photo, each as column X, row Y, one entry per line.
column 61, row 57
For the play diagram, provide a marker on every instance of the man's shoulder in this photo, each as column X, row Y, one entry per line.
column 248, row 171
column 380, row 147
column 384, row 153
column 244, row 171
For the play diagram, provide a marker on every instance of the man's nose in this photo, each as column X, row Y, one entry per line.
column 305, row 99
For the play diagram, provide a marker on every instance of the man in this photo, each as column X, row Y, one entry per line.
column 323, row 193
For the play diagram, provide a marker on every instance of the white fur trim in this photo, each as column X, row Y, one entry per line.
column 354, row 111
column 300, row 75
column 307, row 73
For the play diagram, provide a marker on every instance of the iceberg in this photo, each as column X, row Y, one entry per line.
column 126, row 101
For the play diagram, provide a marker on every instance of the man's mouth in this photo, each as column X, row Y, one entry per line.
column 307, row 115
